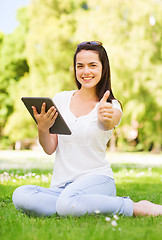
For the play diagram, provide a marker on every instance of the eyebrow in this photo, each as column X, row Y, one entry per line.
column 88, row 63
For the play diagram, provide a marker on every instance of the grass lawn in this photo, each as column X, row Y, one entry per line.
column 137, row 183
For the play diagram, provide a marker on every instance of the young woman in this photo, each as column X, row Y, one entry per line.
column 82, row 180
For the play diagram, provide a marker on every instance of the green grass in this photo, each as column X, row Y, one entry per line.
column 138, row 183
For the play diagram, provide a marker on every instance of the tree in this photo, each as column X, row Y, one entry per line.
column 133, row 41
column 48, row 50
column 41, row 64
column 13, row 65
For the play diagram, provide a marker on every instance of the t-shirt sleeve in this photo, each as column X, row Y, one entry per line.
column 116, row 105
column 59, row 99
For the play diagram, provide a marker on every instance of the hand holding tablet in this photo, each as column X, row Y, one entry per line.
column 44, row 104
column 45, row 119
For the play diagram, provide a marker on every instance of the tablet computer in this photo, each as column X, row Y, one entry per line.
column 59, row 126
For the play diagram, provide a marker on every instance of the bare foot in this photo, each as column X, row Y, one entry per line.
column 146, row 208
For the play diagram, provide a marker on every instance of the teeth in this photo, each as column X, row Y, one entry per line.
column 87, row 78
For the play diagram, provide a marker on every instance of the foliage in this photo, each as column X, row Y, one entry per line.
column 134, row 47
column 13, row 66
column 36, row 60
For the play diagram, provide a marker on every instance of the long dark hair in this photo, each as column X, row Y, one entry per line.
column 105, row 83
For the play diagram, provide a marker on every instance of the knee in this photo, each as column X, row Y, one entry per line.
column 18, row 196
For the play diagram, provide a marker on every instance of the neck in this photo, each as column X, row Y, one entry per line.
column 88, row 94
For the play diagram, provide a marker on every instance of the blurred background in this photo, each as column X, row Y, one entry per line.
column 36, row 59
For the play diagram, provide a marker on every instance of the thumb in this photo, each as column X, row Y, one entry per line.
column 105, row 97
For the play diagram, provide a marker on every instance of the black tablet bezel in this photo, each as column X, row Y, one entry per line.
column 60, row 126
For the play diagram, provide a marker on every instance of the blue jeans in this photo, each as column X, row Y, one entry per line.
column 85, row 195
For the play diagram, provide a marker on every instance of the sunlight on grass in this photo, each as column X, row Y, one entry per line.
column 138, row 183
column 137, row 175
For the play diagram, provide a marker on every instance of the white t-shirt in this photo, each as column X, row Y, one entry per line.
column 82, row 152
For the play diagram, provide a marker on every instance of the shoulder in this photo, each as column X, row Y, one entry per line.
column 62, row 95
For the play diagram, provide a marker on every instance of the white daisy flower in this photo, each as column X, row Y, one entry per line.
column 97, row 211
column 107, row 219
column 114, row 223
column 37, row 176
column 116, row 217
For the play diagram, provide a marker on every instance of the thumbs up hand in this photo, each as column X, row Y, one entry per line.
column 105, row 111
column 105, row 97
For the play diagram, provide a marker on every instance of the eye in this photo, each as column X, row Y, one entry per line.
column 79, row 66
column 93, row 65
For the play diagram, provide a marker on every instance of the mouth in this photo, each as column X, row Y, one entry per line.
column 87, row 79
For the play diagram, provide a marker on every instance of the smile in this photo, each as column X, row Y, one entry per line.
column 87, row 79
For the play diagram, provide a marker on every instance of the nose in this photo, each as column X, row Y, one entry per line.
column 86, row 70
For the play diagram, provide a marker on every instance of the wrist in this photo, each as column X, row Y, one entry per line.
column 106, row 125
column 42, row 129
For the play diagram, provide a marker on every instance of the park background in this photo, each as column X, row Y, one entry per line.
column 36, row 59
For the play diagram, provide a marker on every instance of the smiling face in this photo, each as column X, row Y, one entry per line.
column 88, row 68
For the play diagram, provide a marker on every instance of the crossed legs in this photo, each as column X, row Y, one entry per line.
column 85, row 195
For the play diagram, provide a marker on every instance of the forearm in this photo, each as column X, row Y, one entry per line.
column 47, row 141
column 45, row 121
